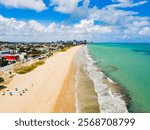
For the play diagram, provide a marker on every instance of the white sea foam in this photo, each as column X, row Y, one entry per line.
column 77, row 104
column 109, row 102
column 110, row 80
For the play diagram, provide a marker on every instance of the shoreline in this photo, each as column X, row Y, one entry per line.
column 44, row 85
column 116, row 88
column 52, row 88
column 86, row 95
column 110, row 95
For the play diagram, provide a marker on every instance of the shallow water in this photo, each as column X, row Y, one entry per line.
column 129, row 66
column 93, row 95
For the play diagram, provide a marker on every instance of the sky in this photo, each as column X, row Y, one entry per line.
column 91, row 20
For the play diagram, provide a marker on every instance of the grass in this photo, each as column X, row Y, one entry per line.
column 26, row 69
column 64, row 49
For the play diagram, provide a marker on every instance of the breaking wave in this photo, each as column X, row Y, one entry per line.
column 109, row 102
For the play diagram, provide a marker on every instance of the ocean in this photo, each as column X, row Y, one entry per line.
column 113, row 77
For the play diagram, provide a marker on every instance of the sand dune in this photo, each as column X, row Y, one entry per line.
column 44, row 86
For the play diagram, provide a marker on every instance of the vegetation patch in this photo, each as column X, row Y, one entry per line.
column 63, row 49
column 26, row 69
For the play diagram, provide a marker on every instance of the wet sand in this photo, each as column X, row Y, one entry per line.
column 66, row 99
column 86, row 95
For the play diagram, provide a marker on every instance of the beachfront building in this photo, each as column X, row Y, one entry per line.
column 12, row 52
column 8, row 57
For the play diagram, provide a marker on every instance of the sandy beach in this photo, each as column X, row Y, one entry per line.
column 49, row 88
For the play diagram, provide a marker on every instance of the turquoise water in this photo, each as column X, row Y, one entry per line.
column 129, row 66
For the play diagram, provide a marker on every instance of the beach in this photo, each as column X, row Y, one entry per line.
column 48, row 88
column 94, row 94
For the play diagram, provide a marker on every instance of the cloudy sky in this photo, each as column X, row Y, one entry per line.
column 93, row 20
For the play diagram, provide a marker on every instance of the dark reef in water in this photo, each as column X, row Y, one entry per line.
column 147, row 52
column 120, row 90
column 112, row 68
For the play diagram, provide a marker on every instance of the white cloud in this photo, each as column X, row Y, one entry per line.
column 109, row 23
column 114, row 21
column 88, row 27
column 122, row 1
column 111, row 16
column 15, row 30
column 32, row 30
column 34, row 25
column 37, row 5
column 64, row 6
column 140, row 23
column 137, row 29
column 145, row 31
column 84, row 24
column 126, row 4
column 118, row 24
